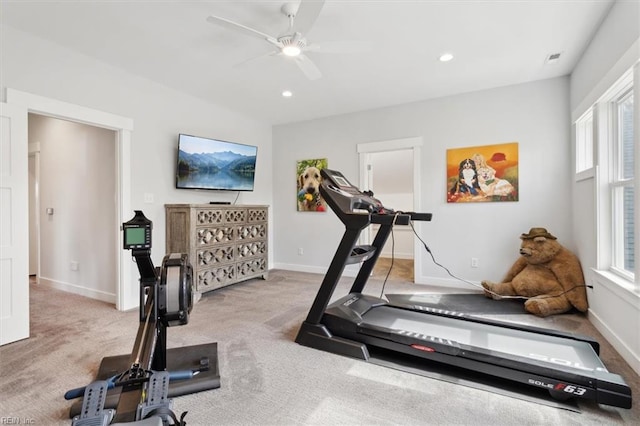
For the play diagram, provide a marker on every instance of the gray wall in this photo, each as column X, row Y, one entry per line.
column 37, row 66
column 535, row 115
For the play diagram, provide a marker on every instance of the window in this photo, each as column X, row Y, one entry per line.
column 622, row 187
column 609, row 127
column 584, row 142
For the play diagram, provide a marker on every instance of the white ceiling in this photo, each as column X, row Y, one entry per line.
column 495, row 43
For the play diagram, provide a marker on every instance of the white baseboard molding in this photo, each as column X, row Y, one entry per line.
column 79, row 290
column 349, row 270
column 618, row 344
column 352, row 271
column 449, row 283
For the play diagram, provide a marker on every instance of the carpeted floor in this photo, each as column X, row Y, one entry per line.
column 266, row 378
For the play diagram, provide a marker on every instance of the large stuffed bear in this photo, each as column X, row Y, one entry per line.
column 547, row 274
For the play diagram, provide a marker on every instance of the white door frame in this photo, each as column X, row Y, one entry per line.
column 415, row 145
column 126, row 293
column 34, row 151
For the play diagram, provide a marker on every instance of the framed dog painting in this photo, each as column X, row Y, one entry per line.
column 308, row 196
column 482, row 173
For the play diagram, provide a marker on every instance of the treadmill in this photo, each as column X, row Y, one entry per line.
column 361, row 326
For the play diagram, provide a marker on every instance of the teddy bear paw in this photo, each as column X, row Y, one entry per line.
column 537, row 307
column 488, row 289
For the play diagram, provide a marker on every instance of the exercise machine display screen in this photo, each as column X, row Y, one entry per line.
column 137, row 232
column 135, row 237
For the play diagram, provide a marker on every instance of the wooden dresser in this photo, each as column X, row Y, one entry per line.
column 226, row 243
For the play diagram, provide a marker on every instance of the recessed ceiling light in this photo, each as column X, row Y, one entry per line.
column 287, row 93
column 446, row 57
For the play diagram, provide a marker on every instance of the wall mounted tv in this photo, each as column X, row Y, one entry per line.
column 205, row 163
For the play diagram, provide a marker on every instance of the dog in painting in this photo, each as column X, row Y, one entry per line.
column 309, row 198
column 467, row 182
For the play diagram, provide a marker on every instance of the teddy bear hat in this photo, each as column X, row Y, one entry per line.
column 537, row 232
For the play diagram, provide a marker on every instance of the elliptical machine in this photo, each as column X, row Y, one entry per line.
column 136, row 388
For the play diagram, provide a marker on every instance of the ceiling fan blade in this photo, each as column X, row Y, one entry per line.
column 224, row 22
column 256, row 58
column 344, row 46
column 307, row 66
column 307, row 14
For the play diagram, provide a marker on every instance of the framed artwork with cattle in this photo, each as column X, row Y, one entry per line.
column 487, row 173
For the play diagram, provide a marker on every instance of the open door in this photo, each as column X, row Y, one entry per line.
column 14, row 226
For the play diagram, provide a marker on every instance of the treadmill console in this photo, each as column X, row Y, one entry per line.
column 351, row 205
column 348, row 196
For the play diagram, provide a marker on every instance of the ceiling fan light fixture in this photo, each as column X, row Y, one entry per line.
column 291, row 50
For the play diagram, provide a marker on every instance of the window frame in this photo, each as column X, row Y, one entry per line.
column 609, row 183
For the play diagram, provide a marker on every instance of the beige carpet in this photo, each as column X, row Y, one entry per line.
column 266, row 378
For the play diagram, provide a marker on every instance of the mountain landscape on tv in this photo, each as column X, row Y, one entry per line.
column 217, row 170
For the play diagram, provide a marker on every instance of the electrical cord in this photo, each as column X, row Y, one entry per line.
column 480, row 286
column 393, row 251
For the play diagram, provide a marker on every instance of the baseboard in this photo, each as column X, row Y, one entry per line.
column 349, row 271
column 449, row 283
column 618, row 344
column 352, row 271
column 79, row 290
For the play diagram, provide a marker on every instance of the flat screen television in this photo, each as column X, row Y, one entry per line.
column 205, row 163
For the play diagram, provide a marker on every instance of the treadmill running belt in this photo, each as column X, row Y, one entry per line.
column 502, row 342
column 471, row 303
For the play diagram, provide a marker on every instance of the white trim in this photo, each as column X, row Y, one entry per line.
column 80, row 290
column 349, row 271
column 126, row 292
column 586, row 174
column 629, row 298
column 389, row 145
column 626, row 61
column 34, row 150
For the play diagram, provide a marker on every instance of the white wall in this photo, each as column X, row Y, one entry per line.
column 536, row 115
column 613, row 50
column 34, row 65
column 78, row 182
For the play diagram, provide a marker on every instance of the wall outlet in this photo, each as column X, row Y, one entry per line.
column 74, row 265
column 474, row 262
column 300, row 251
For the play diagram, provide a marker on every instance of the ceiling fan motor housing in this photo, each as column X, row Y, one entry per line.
column 292, row 43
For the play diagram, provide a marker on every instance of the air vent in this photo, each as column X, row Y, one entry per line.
column 553, row 57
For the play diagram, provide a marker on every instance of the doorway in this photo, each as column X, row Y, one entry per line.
column 390, row 169
column 72, row 185
column 126, row 292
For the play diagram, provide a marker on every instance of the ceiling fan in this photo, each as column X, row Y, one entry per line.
column 292, row 43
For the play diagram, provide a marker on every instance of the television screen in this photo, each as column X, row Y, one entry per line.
column 205, row 163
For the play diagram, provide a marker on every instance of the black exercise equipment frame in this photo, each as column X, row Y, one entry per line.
column 340, row 327
column 192, row 368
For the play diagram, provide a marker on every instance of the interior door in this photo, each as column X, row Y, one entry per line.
column 14, row 226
